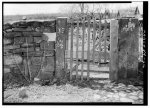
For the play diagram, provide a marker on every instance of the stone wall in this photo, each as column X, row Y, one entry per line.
column 124, row 48
column 28, row 49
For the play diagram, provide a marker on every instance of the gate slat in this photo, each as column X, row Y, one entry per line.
column 105, row 27
column 83, row 31
column 77, row 40
column 94, row 33
column 88, row 52
column 100, row 40
column 71, row 50
column 66, row 49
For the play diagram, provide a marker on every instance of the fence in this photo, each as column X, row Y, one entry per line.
column 80, row 45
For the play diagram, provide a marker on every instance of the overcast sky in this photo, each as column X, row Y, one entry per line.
column 23, row 9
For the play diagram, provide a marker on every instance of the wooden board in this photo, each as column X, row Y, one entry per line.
column 77, row 41
column 113, row 50
column 71, row 50
column 83, row 34
column 88, row 52
column 67, row 55
column 105, row 29
column 100, row 39
column 94, row 40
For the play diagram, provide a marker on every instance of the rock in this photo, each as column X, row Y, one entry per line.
column 122, row 94
column 7, row 41
column 141, row 95
column 128, row 91
column 116, row 96
column 96, row 91
column 105, row 86
column 103, row 92
column 122, row 89
column 134, row 93
column 7, row 70
column 121, row 85
column 115, row 91
column 126, row 100
column 135, row 88
column 116, row 88
column 106, row 100
column 96, row 97
column 132, row 87
column 110, row 95
column 23, row 93
column 36, row 79
column 12, row 59
column 140, row 102
column 133, row 97
column 140, row 88
column 9, row 87
column 6, row 96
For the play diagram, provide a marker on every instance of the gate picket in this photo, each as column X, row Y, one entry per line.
column 88, row 52
column 105, row 28
column 100, row 40
column 71, row 50
column 83, row 31
column 94, row 33
column 77, row 40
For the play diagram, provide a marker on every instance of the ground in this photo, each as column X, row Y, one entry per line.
column 105, row 92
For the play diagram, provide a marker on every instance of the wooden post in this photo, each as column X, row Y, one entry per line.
column 61, row 34
column 113, row 50
column 128, row 44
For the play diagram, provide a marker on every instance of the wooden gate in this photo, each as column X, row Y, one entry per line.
column 89, row 43
column 88, row 47
column 99, row 45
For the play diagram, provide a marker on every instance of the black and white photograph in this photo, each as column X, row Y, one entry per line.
column 75, row 53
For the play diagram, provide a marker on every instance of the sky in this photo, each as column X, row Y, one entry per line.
column 24, row 9
column 16, row 9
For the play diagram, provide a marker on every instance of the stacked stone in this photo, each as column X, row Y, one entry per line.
column 27, row 49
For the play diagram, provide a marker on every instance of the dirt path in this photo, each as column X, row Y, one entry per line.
column 69, row 93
